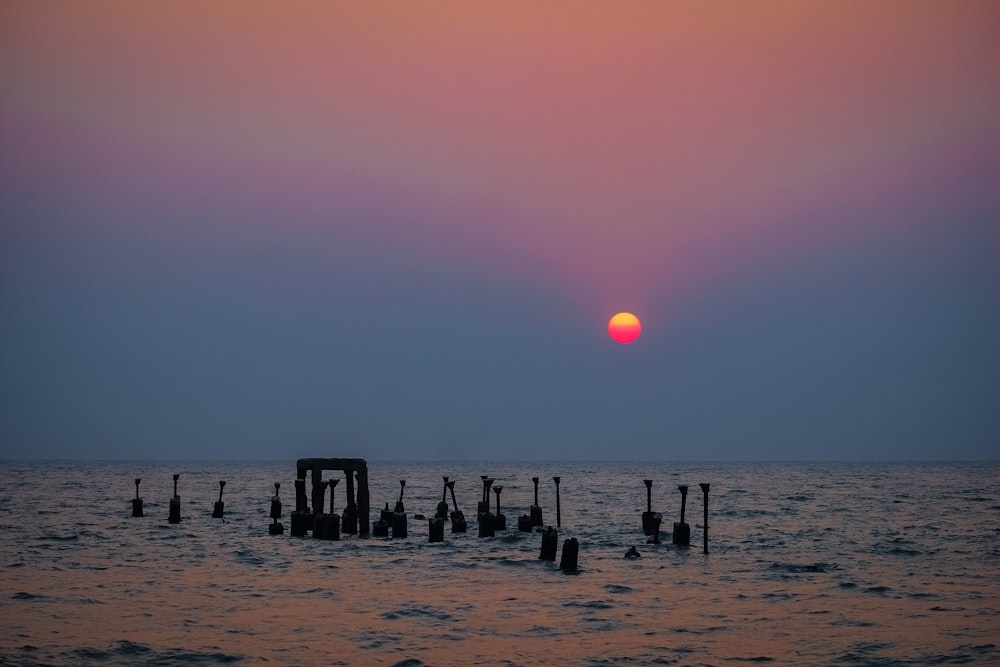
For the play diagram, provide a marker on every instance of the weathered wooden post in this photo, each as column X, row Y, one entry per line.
column 499, row 521
column 704, row 490
column 550, row 543
column 442, row 508
column 682, row 531
column 647, row 516
column 399, row 515
column 276, row 528
column 137, row 501
column 558, row 509
column 219, row 506
column 301, row 515
column 570, row 554
column 175, row 505
column 458, row 522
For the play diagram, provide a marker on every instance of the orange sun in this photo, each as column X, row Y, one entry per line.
column 624, row 328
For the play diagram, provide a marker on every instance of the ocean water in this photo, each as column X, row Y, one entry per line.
column 808, row 564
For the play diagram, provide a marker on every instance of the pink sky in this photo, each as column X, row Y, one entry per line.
column 620, row 147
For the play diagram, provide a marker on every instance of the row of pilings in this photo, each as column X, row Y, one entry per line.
column 682, row 530
column 394, row 523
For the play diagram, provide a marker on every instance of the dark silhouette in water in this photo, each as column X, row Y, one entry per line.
column 682, row 531
column 217, row 511
column 137, row 501
column 354, row 511
column 704, row 489
column 175, row 505
column 632, row 553
column 276, row 528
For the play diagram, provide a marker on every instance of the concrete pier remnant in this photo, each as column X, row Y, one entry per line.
column 570, row 555
column 352, row 467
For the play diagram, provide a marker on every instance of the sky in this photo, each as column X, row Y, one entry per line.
column 394, row 230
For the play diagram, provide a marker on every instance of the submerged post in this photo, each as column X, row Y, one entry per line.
column 704, row 489
column 137, row 501
column 219, row 506
column 175, row 505
column 331, row 524
column 558, row 509
column 300, row 517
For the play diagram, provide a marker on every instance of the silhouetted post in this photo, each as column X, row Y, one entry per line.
column 353, row 518
column 435, row 527
column 536, row 509
column 442, row 510
column 647, row 516
column 500, row 521
column 458, row 522
column 399, row 515
column 550, row 544
column 137, row 501
column 558, row 509
column 318, row 492
column 570, row 554
column 484, row 503
column 331, row 524
column 682, row 531
column 486, row 523
column 399, row 503
column 381, row 527
column 704, row 489
column 276, row 528
column 175, row 505
column 319, row 499
column 655, row 519
column 219, row 506
column 301, row 515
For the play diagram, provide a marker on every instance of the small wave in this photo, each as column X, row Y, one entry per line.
column 409, row 662
column 416, row 611
column 27, row 596
column 593, row 604
column 803, row 567
column 614, row 588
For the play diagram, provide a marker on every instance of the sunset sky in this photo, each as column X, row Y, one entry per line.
column 398, row 230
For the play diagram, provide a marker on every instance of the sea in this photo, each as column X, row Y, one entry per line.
column 807, row 564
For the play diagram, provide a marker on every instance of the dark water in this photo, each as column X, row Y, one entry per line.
column 809, row 564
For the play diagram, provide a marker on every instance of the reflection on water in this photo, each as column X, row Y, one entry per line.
column 844, row 564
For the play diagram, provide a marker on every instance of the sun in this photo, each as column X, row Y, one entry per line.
column 624, row 328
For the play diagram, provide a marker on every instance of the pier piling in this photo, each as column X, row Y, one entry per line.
column 217, row 511
column 275, row 528
column 137, row 501
column 175, row 505
column 682, row 531
column 704, row 490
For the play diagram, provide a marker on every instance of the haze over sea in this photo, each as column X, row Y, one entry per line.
column 809, row 564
